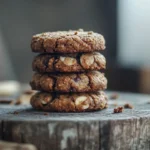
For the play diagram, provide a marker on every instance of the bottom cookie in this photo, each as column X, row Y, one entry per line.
column 69, row 102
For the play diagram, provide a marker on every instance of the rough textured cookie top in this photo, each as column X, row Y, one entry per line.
column 67, row 42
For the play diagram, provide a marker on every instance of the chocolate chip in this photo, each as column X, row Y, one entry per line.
column 77, row 79
column 72, row 89
column 46, row 61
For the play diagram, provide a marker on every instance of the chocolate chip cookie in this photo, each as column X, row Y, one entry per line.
column 67, row 42
column 69, row 63
column 69, row 102
column 76, row 82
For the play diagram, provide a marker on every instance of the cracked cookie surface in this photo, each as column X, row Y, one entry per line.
column 73, row 82
column 69, row 62
column 69, row 102
column 67, row 42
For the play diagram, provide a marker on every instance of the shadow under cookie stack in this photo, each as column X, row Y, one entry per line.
column 67, row 71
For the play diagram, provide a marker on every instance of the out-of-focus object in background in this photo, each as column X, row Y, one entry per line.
column 16, row 146
column 144, row 81
column 6, row 100
column 133, row 45
column 15, row 93
column 24, row 98
column 9, row 88
column 134, row 33
column 7, row 72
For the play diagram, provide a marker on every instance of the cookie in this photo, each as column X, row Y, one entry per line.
column 76, row 82
column 69, row 63
column 69, row 102
column 67, row 42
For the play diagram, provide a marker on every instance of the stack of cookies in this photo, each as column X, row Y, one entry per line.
column 67, row 71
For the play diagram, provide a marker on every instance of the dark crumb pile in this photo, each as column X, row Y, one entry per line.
column 118, row 110
column 129, row 106
column 16, row 112
column 45, row 114
column 114, row 96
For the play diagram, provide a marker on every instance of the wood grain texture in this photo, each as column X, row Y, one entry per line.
column 1, row 130
column 100, row 130
column 56, row 135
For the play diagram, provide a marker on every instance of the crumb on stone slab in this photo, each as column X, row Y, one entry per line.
column 16, row 112
column 129, row 106
column 118, row 110
column 45, row 114
column 114, row 96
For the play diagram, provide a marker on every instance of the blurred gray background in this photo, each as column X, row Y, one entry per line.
column 124, row 24
column 20, row 19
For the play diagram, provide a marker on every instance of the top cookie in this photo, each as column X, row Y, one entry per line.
column 67, row 42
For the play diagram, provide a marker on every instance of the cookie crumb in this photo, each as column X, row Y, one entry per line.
column 45, row 114
column 80, row 30
column 118, row 110
column 76, row 33
column 90, row 32
column 16, row 113
column 127, row 105
column 115, row 104
column 28, row 92
column 114, row 96
column 18, row 102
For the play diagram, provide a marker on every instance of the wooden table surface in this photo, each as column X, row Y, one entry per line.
column 82, row 131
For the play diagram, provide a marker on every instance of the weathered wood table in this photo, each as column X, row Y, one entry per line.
column 100, row 130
